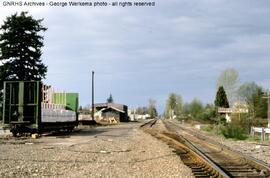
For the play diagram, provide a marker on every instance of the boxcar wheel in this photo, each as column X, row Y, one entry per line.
column 14, row 134
column 70, row 129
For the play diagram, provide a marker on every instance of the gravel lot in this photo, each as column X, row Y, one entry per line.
column 256, row 149
column 116, row 151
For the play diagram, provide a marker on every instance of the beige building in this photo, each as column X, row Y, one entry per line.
column 238, row 108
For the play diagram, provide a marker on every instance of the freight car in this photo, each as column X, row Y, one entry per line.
column 31, row 107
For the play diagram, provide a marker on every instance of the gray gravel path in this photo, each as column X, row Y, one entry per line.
column 116, row 151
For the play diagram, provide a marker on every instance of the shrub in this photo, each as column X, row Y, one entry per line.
column 207, row 114
column 258, row 122
column 242, row 121
column 221, row 120
column 233, row 131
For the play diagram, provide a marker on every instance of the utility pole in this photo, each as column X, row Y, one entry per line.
column 268, row 112
column 93, row 107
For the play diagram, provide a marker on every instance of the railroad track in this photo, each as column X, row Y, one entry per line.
column 235, row 163
column 206, row 158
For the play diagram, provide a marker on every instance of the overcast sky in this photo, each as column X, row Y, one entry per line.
column 140, row 53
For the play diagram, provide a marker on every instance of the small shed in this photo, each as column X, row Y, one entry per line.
column 113, row 110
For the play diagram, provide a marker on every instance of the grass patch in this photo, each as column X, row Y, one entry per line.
column 208, row 128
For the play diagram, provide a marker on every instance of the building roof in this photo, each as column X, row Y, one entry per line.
column 113, row 108
column 121, row 107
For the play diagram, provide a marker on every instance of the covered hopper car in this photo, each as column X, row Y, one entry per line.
column 28, row 107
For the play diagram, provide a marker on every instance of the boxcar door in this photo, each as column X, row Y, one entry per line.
column 31, row 102
column 11, row 102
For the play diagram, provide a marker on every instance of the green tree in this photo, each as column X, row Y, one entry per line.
column 80, row 108
column 152, row 111
column 260, row 104
column 174, row 106
column 248, row 92
column 20, row 46
column 196, row 108
column 221, row 98
column 229, row 80
column 142, row 110
column 110, row 99
column 209, row 113
column 186, row 109
column 20, row 49
column 253, row 96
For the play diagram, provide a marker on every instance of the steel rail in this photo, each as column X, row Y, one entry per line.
column 217, row 168
column 206, row 158
column 247, row 157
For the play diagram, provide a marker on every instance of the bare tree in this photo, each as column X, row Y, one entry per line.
column 152, row 111
column 174, row 105
column 229, row 80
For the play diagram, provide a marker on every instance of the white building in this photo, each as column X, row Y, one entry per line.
column 237, row 108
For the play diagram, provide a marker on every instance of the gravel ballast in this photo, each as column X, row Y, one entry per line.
column 257, row 149
column 116, row 151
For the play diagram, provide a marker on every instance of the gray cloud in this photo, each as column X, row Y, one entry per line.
column 178, row 46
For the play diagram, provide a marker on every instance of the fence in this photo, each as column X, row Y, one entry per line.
column 263, row 131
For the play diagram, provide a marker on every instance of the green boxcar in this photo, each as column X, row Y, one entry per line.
column 22, row 104
column 69, row 100
column 23, row 112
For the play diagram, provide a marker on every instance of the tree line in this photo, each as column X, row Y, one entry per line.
column 150, row 109
column 229, row 93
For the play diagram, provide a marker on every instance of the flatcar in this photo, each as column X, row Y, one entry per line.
column 31, row 107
